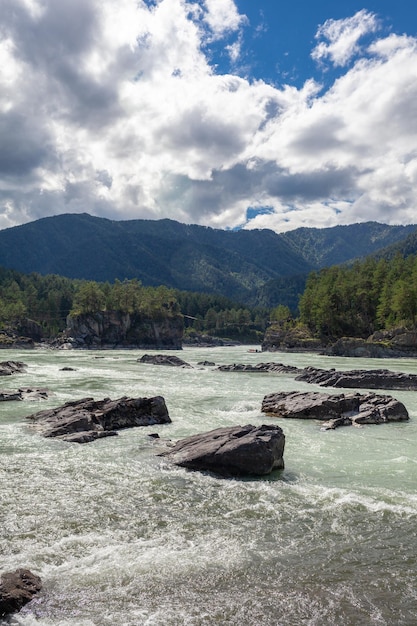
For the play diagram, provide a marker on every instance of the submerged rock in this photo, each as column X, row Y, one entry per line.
column 7, row 368
column 163, row 359
column 17, row 589
column 335, row 410
column 85, row 420
column 24, row 393
column 232, row 451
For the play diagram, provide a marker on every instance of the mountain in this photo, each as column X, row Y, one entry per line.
column 238, row 264
column 323, row 247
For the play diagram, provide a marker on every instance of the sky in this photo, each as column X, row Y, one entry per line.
column 225, row 113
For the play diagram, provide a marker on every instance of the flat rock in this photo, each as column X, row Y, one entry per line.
column 17, row 589
column 163, row 359
column 351, row 379
column 232, row 451
column 362, row 379
column 335, row 410
column 7, row 368
column 278, row 368
column 85, row 420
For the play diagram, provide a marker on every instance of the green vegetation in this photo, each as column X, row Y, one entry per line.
column 375, row 294
column 48, row 300
column 253, row 267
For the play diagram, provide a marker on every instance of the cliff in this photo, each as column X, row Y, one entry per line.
column 113, row 329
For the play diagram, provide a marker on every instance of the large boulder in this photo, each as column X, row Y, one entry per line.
column 17, row 589
column 335, row 410
column 82, row 421
column 232, row 451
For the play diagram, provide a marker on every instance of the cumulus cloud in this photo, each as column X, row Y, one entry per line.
column 114, row 107
column 343, row 37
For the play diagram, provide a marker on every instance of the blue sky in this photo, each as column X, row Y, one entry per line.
column 227, row 113
column 278, row 37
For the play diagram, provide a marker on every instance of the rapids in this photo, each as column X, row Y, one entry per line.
column 121, row 538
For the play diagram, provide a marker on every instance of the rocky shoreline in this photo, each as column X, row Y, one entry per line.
column 395, row 343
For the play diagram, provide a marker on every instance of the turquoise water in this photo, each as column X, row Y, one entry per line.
column 122, row 538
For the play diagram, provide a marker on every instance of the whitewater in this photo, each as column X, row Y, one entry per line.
column 122, row 538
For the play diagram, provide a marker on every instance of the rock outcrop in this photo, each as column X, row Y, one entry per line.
column 335, row 410
column 349, row 379
column 17, row 589
column 362, row 379
column 113, row 329
column 163, row 359
column 7, row 368
column 82, row 421
column 297, row 339
column 24, row 393
column 232, row 451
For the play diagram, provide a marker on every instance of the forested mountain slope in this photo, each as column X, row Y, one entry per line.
column 323, row 247
column 248, row 266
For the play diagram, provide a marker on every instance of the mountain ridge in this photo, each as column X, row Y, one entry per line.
column 239, row 264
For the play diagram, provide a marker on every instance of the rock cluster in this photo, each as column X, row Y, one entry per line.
column 7, row 368
column 278, row 368
column 335, row 410
column 17, row 589
column 364, row 379
column 232, row 451
column 359, row 379
column 24, row 393
column 82, row 421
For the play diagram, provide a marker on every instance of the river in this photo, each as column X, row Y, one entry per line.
column 122, row 538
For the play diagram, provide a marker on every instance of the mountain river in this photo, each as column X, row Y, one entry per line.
column 122, row 538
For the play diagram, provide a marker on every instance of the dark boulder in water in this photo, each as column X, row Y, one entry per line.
column 232, row 451
column 24, row 393
column 335, row 410
column 163, row 359
column 17, row 589
column 7, row 368
column 85, row 420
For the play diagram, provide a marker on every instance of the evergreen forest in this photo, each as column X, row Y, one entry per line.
column 374, row 294
column 48, row 300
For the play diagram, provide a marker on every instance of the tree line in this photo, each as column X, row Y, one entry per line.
column 355, row 301
column 48, row 300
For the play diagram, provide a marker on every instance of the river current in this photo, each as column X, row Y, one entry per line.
column 122, row 538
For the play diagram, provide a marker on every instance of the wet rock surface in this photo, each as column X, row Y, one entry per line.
column 85, row 420
column 17, row 589
column 335, row 410
column 278, row 368
column 232, row 451
column 7, row 368
column 365, row 379
column 24, row 393
column 350, row 379
column 163, row 359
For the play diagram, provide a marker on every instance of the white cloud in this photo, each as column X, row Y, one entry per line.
column 343, row 36
column 222, row 16
column 112, row 107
